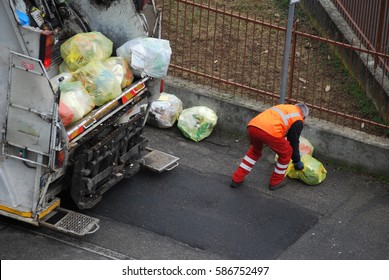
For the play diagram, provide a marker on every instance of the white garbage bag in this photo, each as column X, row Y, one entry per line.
column 165, row 111
column 147, row 56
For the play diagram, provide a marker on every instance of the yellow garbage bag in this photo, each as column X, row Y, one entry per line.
column 197, row 123
column 99, row 81
column 313, row 173
column 82, row 48
column 121, row 69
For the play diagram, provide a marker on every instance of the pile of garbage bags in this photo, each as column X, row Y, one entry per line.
column 195, row 123
column 314, row 171
column 87, row 58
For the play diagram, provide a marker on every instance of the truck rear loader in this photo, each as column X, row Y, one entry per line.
column 40, row 158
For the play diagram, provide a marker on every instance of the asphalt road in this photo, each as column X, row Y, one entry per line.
column 191, row 212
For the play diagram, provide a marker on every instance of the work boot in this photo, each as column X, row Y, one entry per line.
column 279, row 185
column 235, row 184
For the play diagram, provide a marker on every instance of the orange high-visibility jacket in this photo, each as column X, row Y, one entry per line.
column 277, row 120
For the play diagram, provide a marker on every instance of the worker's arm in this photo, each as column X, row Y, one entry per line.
column 293, row 137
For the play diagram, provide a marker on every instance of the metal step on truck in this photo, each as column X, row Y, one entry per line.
column 40, row 158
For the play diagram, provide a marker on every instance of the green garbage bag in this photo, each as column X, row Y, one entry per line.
column 197, row 123
column 313, row 173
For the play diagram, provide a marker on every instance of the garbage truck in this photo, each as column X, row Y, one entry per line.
column 40, row 158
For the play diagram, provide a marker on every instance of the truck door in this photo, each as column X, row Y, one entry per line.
column 32, row 113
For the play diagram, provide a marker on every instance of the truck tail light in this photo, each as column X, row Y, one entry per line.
column 45, row 48
column 60, row 158
column 140, row 4
column 162, row 86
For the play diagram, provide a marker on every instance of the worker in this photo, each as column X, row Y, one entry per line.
column 270, row 128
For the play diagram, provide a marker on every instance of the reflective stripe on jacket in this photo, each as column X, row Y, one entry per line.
column 277, row 120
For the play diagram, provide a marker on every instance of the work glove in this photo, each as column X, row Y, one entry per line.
column 299, row 165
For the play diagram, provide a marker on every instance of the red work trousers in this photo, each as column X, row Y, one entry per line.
column 258, row 138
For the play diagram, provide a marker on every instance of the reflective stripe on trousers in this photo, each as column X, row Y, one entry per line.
column 280, row 168
column 257, row 139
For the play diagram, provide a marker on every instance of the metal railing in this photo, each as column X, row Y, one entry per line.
column 369, row 19
column 242, row 55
